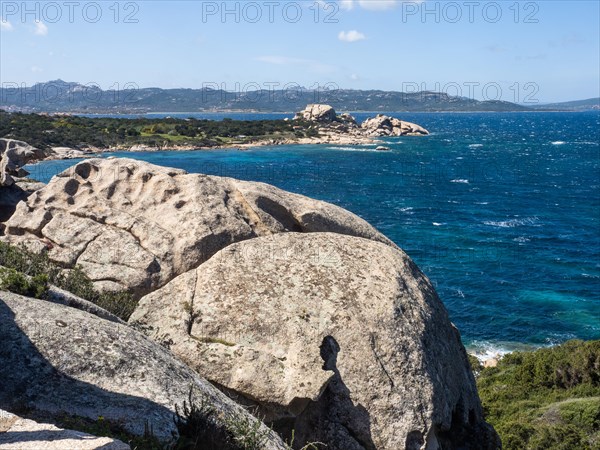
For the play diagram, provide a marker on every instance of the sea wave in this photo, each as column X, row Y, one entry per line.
column 354, row 149
column 521, row 239
column 512, row 223
column 475, row 145
column 488, row 350
column 558, row 143
column 460, row 180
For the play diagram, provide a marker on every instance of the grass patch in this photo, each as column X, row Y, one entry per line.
column 547, row 399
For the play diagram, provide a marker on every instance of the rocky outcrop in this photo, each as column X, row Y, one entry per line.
column 62, row 297
column 317, row 113
column 10, row 196
column 332, row 127
column 133, row 225
column 13, row 189
column 57, row 361
column 388, row 126
column 13, row 156
column 17, row 433
column 340, row 338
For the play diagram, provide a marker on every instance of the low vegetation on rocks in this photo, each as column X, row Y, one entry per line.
column 17, row 282
column 27, row 273
column 548, row 399
column 44, row 131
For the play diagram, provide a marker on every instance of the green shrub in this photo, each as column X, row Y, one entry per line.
column 16, row 282
column 547, row 399
column 44, row 271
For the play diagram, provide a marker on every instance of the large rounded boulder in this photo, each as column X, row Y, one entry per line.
column 134, row 225
column 339, row 338
column 57, row 362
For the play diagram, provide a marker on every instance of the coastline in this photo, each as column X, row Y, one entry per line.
column 64, row 153
column 489, row 353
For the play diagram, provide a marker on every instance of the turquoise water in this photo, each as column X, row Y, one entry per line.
column 501, row 211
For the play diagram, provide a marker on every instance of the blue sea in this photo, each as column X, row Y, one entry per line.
column 500, row 210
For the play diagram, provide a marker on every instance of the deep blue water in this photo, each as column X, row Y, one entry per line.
column 501, row 211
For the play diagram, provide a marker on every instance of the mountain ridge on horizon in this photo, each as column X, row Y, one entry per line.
column 58, row 96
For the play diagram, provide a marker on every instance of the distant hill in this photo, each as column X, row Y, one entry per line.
column 590, row 104
column 69, row 97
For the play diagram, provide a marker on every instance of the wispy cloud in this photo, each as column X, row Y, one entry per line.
column 40, row 29
column 5, row 25
column 539, row 56
column 569, row 40
column 36, row 69
column 346, row 4
column 351, row 36
column 373, row 5
column 495, row 48
column 314, row 66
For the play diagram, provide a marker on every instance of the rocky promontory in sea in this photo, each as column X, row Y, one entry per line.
column 69, row 137
column 281, row 319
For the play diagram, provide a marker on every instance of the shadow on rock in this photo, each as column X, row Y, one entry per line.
column 334, row 418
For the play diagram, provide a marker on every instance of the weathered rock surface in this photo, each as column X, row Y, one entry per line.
column 341, row 338
column 13, row 156
column 56, row 360
column 317, row 113
column 388, row 126
column 10, row 196
column 62, row 297
column 17, row 433
column 133, row 225
column 332, row 127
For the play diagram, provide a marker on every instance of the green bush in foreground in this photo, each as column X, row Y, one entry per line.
column 16, row 282
column 21, row 264
column 548, row 399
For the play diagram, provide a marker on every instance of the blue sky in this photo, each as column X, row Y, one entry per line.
column 518, row 51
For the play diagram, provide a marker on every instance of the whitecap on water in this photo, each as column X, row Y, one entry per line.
column 460, row 180
column 354, row 149
column 437, row 224
column 475, row 145
column 511, row 223
column 558, row 143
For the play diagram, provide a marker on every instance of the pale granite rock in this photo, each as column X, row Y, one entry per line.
column 56, row 360
column 134, row 225
column 17, row 433
column 341, row 338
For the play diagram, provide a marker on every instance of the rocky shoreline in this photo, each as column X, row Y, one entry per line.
column 329, row 128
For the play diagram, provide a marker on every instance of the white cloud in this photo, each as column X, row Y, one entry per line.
column 351, row 36
column 5, row 25
column 374, row 5
column 314, row 66
column 40, row 29
column 378, row 5
column 36, row 69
